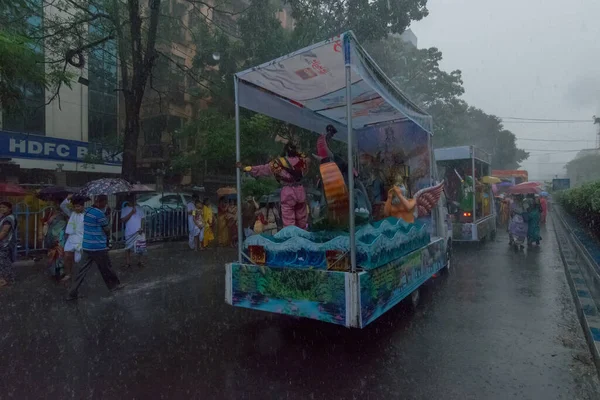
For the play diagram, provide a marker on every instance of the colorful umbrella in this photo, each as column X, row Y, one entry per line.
column 106, row 186
column 11, row 189
column 526, row 188
column 544, row 194
column 226, row 191
column 490, row 180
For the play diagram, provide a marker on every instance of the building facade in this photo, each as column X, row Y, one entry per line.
column 65, row 134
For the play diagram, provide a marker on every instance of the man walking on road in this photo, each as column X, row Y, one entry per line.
column 95, row 234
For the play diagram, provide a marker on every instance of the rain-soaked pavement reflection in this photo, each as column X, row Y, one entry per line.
column 501, row 326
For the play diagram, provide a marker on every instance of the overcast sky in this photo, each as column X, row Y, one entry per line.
column 525, row 58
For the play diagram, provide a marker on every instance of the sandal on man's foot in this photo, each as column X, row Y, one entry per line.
column 141, row 265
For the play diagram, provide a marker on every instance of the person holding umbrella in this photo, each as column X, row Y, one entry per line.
column 96, row 229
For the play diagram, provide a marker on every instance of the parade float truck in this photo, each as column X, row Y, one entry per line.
column 361, row 262
column 466, row 171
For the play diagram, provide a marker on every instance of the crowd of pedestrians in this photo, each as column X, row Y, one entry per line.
column 525, row 216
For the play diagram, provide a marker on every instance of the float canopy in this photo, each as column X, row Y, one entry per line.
column 307, row 88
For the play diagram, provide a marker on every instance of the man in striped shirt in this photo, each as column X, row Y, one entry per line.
column 95, row 233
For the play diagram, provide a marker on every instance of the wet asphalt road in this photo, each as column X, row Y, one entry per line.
column 502, row 325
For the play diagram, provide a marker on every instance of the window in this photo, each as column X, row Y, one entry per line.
column 177, row 81
column 102, row 94
column 32, row 117
column 179, row 12
column 226, row 23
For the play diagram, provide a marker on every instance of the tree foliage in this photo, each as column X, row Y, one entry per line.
column 583, row 202
column 370, row 20
column 584, row 169
column 417, row 72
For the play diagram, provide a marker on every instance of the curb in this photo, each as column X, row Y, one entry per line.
column 573, row 258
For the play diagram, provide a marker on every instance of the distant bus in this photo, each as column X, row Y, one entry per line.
column 515, row 176
column 561, row 184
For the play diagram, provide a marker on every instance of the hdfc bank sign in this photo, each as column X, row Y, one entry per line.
column 19, row 145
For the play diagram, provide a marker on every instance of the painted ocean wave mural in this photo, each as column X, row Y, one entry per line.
column 311, row 294
column 376, row 244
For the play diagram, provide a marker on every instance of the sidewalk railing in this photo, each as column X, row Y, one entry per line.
column 160, row 224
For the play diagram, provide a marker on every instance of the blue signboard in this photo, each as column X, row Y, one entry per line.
column 560, row 184
column 20, row 145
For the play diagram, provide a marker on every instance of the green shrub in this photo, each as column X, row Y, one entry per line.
column 583, row 202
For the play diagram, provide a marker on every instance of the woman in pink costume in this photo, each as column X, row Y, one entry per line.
column 289, row 169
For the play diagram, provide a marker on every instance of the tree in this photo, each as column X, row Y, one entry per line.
column 370, row 20
column 417, row 72
column 80, row 26
column 584, row 169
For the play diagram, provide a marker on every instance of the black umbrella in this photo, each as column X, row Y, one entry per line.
column 55, row 192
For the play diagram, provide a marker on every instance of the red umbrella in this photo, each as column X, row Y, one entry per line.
column 11, row 189
column 525, row 188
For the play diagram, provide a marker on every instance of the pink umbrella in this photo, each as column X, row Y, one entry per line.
column 11, row 189
column 526, row 188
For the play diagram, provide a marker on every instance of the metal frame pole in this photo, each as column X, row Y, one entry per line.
column 473, row 179
column 351, row 224
column 238, row 172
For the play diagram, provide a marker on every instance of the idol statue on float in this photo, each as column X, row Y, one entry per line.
column 289, row 169
column 401, row 206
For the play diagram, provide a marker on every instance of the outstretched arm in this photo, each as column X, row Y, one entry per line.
column 256, row 171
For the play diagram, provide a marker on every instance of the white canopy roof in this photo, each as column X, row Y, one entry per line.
column 307, row 88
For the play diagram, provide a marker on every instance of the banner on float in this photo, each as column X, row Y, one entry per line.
column 21, row 145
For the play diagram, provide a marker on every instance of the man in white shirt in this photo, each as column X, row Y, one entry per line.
column 133, row 216
column 73, row 206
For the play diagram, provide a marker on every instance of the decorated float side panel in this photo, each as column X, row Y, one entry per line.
column 384, row 287
column 314, row 294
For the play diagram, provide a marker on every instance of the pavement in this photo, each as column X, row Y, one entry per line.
column 502, row 325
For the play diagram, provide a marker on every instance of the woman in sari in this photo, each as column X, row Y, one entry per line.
column 534, row 216
column 517, row 227
column 222, row 229
column 196, row 234
column 544, row 205
column 232, row 223
column 209, row 221
column 8, row 244
column 54, row 240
